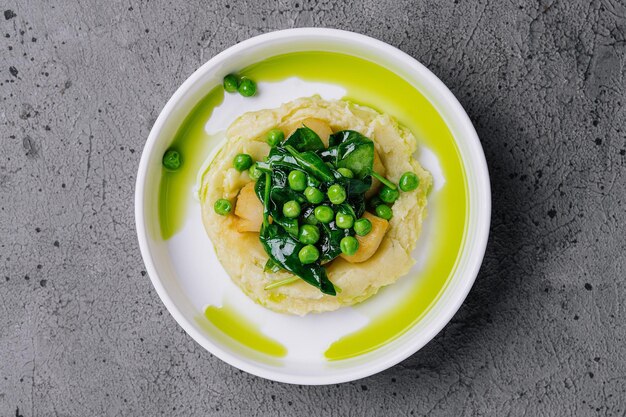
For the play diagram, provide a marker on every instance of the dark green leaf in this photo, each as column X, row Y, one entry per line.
column 358, row 204
column 355, row 186
column 329, row 155
column 303, row 150
column 354, row 151
column 330, row 238
column 283, row 249
column 312, row 164
column 346, row 208
column 290, row 225
column 305, row 139
column 259, row 188
column 280, row 158
column 281, row 195
column 277, row 197
column 308, row 215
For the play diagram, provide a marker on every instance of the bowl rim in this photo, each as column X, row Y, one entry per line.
column 479, row 243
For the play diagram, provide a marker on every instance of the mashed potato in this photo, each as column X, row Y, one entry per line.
column 242, row 255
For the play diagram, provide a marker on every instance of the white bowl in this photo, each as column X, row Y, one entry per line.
column 181, row 298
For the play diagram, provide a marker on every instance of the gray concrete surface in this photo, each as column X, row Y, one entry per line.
column 82, row 333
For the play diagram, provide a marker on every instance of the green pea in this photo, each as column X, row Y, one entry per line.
column 384, row 212
column 336, row 194
column 231, row 83
column 172, row 160
column 409, row 181
column 313, row 182
column 349, row 245
column 242, row 162
column 222, row 207
column 308, row 254
column 324, row 214
column 291, row 209
column 346, row 172
column 313, row 195
column 362, row 227
column 274, row 137
column 254, row 172
column 309, row 234
column 388, row 195
column 344, row 221
column 247, row 87
column 297, row 180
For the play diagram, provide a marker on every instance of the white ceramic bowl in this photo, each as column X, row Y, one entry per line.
column 180, row 297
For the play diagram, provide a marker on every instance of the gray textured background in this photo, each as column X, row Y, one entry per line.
column 82, row 332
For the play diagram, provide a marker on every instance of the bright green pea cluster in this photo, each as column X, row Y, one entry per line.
column 327, row 206
column 335, row 195
column 245, row 86
column 389, row 193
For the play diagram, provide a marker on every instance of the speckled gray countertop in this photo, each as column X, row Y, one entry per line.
column 82, row 332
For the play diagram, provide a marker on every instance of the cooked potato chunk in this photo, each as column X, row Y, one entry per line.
column 369, row 243
column 249, row 210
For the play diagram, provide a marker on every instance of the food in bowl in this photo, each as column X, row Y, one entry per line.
column 315, row 205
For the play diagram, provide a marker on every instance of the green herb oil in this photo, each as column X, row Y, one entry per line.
column 374, row 86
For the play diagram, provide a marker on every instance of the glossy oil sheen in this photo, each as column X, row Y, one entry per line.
column 231, row 323
column 193, row 143
column 379, row 88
